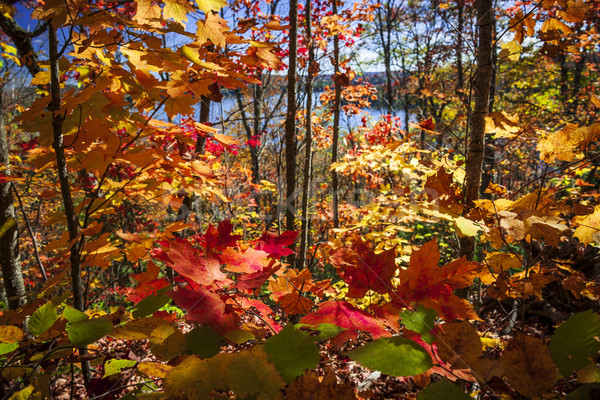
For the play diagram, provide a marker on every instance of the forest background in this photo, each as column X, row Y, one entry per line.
column 211, row 199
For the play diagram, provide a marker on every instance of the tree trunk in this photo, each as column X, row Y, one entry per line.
column 489, row 160
column 460, row 80
column 75, row 238
column 304, row 232
column 336, row 125
column 290, row 125
column 385, row 30
column 12, row 274
column 474, row 162
column 204, row 115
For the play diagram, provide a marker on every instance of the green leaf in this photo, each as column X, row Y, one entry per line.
column 149, row 305
column 42, row 319
column 397, row 356
column 72, row 315
column 421, row 320
column 115, row 366
column 443, row 390
column 238, row 336
column 8, row 347
column 292, row 352
column 586, row 392
column 203, row 341
column 326, row 331
column 573, row 344
column 88, row 331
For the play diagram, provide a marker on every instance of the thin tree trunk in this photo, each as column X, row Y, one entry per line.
column 290, row 125
column 489, row 159
column 75, row 238
column 304, row 233
column 12, row 274
column 258, row 98
column 336, row 124
column 474, row 162
column 204, row 115
column 460, row 80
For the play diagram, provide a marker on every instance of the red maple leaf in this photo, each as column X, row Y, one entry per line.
column 427, row 124
column 362, row 269
column 249, row 261
column 431, row 285
column 257, row 279
column 275, row 245
column 189, row 262
column 345, row 315
column 206, row 308
column 149, row 283
column 220, row 238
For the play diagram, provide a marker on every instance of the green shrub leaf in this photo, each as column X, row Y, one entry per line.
column 42, row 319
column 573, row 344
column 292, row 352
column 88, row 331
column 397, row 356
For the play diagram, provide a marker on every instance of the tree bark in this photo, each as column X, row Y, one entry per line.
column 12, row 274
column 304, row 232
column 474, row 162
column 489, row 160
column 460, row 80
column 204, row 115
column 75, row 238
column 336, row 124
column 290, row 125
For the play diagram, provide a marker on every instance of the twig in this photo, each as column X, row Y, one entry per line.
column 31, row 233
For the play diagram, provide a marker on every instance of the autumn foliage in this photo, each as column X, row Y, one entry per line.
column 152, row 257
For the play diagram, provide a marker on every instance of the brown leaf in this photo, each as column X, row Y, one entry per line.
column 528, row 366
column 308, row 387
column 460, row 345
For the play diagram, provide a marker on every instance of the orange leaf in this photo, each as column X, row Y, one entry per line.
column 425, row 282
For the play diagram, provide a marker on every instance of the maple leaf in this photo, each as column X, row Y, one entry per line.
column 345, row 315
column 249, row 261
column 440, row 186
column 186, row 260
column 211, row 5
column 177, row 9
column 212, row 29
column 220, row 238
column 427, row 124
column 427, row 283
column 363, row 270
column 206, row 308
column 258, row 278
column 275, row 245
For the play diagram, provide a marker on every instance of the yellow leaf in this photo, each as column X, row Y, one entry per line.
column 511, row 50
column 211, row 5
column 588, row 230
column 154, row 369
column 212, row 29
column 564, row 144
column 226, row 140
column 10, row 334
column 502, row 125
column 177, row 10
column 499, row 262
column 467, row 227
column 192, row 55
column 146, row 12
